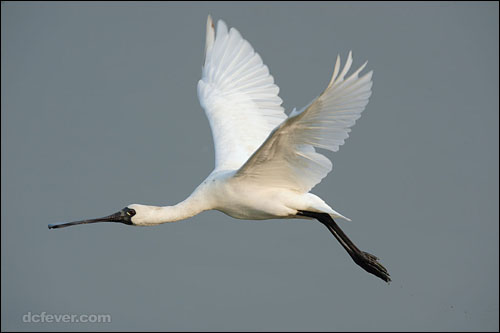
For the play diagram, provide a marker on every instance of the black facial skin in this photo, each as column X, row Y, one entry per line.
column 123, row 216
column 128, row 213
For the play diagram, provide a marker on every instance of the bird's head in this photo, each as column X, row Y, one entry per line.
column 126, row 216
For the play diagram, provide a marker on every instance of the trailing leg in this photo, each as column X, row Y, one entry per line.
column 367, row 261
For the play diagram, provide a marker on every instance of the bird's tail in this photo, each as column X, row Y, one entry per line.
column 337, row 214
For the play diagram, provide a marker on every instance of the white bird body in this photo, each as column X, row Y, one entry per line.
column 238, row 198
column 266, row 162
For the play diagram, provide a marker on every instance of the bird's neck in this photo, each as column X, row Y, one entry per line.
column 181, row 211
column 157, row 215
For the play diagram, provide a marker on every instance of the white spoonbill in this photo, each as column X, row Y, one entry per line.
column 265, row 161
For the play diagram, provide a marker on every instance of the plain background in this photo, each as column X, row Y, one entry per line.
column 99, row 110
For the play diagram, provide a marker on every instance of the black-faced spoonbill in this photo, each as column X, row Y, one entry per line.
column 265, row 161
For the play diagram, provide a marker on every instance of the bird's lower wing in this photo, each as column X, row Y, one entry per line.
column 288, row 158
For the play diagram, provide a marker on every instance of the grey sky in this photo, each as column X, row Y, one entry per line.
column 99, row 110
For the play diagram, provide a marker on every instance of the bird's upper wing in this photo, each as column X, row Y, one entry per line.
column 239, row 96
column 288, row 158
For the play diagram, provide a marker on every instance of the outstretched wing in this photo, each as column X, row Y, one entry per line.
column 288, row 157
column 239, row 96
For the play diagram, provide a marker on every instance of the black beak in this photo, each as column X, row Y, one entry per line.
column 119, row 217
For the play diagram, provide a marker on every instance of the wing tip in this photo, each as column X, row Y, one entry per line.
column 221, row 27
column 210, row 35
column 335, row 71
column 210, row 21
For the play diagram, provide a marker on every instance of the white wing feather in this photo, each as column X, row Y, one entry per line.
column 288, row 158
column 239, row 96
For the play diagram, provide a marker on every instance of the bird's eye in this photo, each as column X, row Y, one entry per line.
column 130, row 212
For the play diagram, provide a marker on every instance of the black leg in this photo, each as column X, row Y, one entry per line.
column 367, row 261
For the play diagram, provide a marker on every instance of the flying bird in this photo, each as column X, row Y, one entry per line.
column 266, row 162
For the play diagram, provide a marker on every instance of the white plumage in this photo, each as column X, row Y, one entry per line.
column 265, row 161
column 239, row 97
